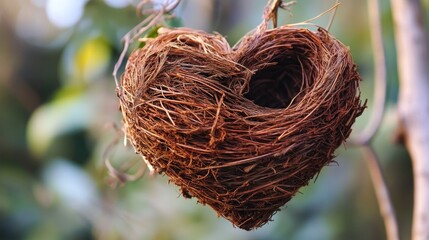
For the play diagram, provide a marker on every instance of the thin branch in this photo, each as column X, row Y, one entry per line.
column 272, row 7
column 382, row 193
column 333, row 8
column 155, row 17
column 331, row 20
column 117, row 174
column 380, row 81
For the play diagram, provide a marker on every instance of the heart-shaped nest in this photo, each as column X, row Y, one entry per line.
column 243, row 128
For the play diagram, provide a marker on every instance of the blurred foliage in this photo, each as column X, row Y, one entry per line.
column 59, row 104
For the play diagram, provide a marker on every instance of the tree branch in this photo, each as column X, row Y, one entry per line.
column 380, row 81
column 413, row 105
column 382, row 193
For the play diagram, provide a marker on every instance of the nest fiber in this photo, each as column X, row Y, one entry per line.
column 241, row 129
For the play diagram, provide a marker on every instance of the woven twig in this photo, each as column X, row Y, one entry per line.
column 240, row 129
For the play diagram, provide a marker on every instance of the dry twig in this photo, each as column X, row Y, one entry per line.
column 380, row 80
column 155, row 17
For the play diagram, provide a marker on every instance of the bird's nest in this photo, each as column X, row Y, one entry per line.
column 241, row 129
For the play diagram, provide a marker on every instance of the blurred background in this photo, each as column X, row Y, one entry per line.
column 58, row 108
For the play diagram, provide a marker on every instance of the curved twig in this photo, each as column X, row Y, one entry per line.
column 331, row 20
column 119, row 175
column 380, row 81
column 150, row 21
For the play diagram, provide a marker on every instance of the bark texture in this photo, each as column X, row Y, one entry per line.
column 413, row 66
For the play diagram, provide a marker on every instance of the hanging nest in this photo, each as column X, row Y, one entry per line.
column 241, row 129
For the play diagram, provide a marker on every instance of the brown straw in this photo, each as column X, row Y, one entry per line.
column 241, row 129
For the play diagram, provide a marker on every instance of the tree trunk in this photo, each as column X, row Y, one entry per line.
column 413, row 67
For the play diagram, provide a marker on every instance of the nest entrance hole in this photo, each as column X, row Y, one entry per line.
column 278, row 85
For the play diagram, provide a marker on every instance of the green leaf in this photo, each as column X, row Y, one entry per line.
column 65, row 114
column 174, row 22
column 152, row 33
